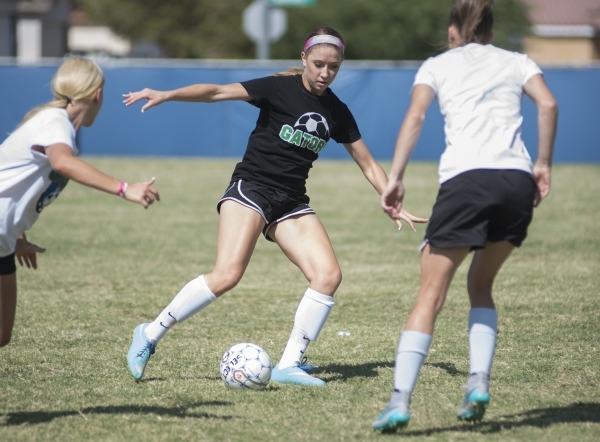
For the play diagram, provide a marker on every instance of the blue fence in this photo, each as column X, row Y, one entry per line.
column 377, row 94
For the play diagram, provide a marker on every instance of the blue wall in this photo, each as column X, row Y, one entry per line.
column 378, row 96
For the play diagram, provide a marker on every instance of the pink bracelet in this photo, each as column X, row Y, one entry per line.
column 122, row 189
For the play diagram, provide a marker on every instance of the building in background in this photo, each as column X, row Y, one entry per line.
column 32, row 29
column 564, row 31
column 87, row 37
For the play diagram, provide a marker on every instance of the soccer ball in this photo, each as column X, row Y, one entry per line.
column 246, row 366
column 314, row 124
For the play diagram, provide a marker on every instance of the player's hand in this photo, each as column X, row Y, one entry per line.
column 408, row 219
column 391, row 199
column 26, row 252
column 391, row 203
column 541, row 175
column 154, row 98
column 142, row 193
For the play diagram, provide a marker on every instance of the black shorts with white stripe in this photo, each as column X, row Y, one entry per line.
column 482, row 205
column 273, row 205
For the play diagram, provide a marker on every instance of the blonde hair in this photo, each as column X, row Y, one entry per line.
column 321, row 30
column 77, row 78
column 473, row 20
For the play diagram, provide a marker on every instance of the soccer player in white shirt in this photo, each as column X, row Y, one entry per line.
column 36, row 162
column 489, row 188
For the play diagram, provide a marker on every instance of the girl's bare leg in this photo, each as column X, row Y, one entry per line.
column 438, row 267
column 239, row 229
column 305, row 242
column 8, row 306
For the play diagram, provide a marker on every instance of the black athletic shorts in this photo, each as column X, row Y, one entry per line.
column 273, row 205
column 482, row 205
column 7, row 264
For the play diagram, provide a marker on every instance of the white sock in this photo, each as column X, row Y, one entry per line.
column 483, row 323
column 192, row 298
column 412, row 351
column 310, row 318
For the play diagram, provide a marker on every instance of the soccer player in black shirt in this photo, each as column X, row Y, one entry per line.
column 267, row 193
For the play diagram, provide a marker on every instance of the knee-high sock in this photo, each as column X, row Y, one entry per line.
column 310, row 318
column 483, row 324
column 412, row 351
column 192, row 298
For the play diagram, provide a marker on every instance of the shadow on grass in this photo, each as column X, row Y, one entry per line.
column 341, row 372
column 578, row 412
column 42, row 417
column 448, row 367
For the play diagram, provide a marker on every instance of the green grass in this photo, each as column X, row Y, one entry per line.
column 111, row 265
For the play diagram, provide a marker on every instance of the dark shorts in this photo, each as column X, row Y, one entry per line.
column 7, row 265
column 273, row 205
column 482, row 205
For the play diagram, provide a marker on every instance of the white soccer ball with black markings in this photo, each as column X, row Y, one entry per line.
column 314, row 124
column 246, row 366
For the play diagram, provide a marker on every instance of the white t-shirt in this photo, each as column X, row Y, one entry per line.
column 479, row 90
column 27, row 181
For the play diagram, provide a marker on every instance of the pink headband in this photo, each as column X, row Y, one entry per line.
column 317, row 39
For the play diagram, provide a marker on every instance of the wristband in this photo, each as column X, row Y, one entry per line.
column 122, row 189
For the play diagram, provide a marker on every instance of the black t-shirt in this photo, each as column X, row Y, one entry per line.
column 292, row 128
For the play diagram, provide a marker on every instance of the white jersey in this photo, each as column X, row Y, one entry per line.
column 479, row 90
column 27, row 181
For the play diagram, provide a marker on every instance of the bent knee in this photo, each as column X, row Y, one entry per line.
column 327, row 280
column 221, row 282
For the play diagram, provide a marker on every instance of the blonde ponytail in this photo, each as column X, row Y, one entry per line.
column 77, row 78
column 473, row 20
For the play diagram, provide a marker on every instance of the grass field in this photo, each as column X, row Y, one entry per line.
column 111, row 265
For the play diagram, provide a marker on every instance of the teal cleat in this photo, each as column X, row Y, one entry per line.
column 296, row 376
column 140, row 351
column 396, row 414
column 476, row 399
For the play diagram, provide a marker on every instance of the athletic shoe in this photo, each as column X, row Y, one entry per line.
column 396, row 414
column 140, row 351
column 295, row 375
column 305, row 367
column 476, row 399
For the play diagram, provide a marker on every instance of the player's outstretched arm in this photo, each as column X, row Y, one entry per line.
column 393, row 194
column 65, row 163
column 375, row 174
column 203, row 93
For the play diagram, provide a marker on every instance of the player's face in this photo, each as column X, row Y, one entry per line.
column 93, row 109
column 321, row 66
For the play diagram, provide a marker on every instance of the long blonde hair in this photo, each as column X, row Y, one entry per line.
column 77, row 78
column 473, row 20
column 321, row 30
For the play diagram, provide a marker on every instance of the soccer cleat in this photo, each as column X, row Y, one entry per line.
column 476, row 399
column 305, row 367
column 296, row 376
column 140, row 351
column 396, row 414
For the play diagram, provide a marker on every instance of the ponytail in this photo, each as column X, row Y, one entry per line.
column 77, row 78
column 473, row 20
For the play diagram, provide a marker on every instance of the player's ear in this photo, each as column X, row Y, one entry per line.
column 98, row 95
column 303, row 56
column 452, row 35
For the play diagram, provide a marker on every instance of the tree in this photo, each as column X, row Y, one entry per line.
column 394, row 29
column 182, row 28
column 373, row 29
